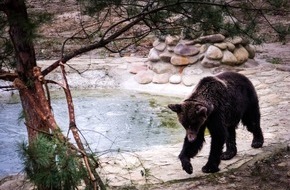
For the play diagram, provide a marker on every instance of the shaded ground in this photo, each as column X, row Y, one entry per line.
column 271, row 173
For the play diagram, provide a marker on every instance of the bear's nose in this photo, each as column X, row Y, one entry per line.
column 191, row 135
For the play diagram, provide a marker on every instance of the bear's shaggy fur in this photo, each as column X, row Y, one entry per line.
column 218, row 103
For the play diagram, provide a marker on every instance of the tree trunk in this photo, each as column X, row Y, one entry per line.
column 35, row 105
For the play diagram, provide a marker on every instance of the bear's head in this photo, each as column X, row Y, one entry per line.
column 192, row 115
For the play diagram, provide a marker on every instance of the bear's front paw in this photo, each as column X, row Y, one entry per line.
column 210, row 168
column 187, row 167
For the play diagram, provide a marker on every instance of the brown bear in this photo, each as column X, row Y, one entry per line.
column 218, row 103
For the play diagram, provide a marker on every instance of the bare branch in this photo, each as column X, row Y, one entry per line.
column 7, row 88
column 72, row 127
column 117, row 29
column 7, row 76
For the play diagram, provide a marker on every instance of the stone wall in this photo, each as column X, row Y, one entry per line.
column 171, row 60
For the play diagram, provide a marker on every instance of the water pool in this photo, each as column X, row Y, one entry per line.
column 109, row 120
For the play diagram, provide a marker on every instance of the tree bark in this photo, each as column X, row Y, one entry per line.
column 31, row 92
column 36, row 106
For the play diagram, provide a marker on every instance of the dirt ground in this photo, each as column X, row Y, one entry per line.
column 271, row 173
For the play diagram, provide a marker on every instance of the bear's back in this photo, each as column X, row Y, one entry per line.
column 233, row 79
column 226, row 91
column 238, row 85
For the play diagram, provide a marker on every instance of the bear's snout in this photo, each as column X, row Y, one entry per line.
column 190, row 135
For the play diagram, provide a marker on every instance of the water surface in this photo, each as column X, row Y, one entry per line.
column 109, row 120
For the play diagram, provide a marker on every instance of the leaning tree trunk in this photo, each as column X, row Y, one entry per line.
column 35, row 106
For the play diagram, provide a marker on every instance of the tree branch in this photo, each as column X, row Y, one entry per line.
column 147, row 10
column 72, row 126
column 7, row 76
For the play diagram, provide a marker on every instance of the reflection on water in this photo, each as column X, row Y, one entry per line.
column 107, row 119
column 11, row 132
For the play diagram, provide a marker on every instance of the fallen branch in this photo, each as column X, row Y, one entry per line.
column 94, row 177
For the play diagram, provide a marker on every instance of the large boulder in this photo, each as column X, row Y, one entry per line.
column 137, row 67
column 209, row 63
column 159, row 45
column 238, row 40
column 185, row 50
column 144, row 77
column 165, row 56
column 189, row 75
column 161, row 78
column 215, row 38
column 193, row 59
column 153, row 55
column 162, row 67
column 172, row 40
column 221, row 45
column 179, row 60
column 214, row 53
column 231, row 47
column 203, row 48
column 241, row 54
column 229, row 58
column 251, row 50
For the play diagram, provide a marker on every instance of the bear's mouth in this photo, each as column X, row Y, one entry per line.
column 191, row 136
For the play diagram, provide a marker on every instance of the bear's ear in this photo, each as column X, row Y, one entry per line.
column 201, row 110
column 175, row 107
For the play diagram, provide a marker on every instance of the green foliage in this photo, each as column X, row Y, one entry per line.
column 29, row 28
column 275, row 60
column 36, row 20
column 191, row 18
column 168, row 119
column 113, row 19
column 6, row 50
column 50, row 164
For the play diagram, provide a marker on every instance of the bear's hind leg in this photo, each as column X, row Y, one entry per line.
column 251, row 120
column 231, row 148
column 258, row 139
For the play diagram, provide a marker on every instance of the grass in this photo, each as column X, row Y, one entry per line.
column 275, row 60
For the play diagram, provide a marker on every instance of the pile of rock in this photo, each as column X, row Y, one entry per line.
column 171, row 60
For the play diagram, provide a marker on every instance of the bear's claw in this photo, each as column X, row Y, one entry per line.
column 187, row 167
